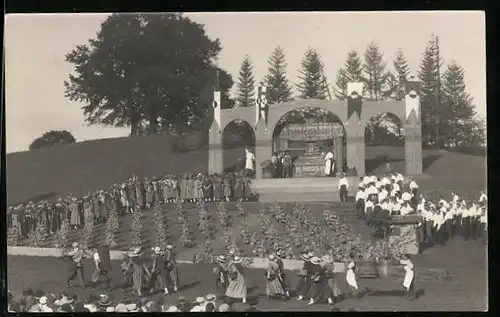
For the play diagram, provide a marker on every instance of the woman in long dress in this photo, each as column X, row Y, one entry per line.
column 237, row 287
column 227, row 187
column 408, row 282
column 304, row 284
column 87, row 209
column 331, row 278
column 328, row 163
column 221, row 276
column 351, row 277
column 139, row 266
column 103, row 211
column 319, row 283
column 280, row 254
column 75, row 220
column 171, row 265
column 274, row 285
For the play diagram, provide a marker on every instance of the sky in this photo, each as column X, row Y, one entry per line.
column 36, row 44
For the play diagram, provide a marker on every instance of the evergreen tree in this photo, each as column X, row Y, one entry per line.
column 459, row 125
column 312, row 84
column 246, row 84
column 429, row 77
column 402, row 71
column 375, row 76
column 352, row 72
column 278, row 87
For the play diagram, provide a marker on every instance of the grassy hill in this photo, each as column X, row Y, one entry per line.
column 91, row 165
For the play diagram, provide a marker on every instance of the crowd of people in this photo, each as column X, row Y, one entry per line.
column 125, row 198
column 441, row 220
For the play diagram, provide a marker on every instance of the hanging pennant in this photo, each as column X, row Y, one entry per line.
column 354, row 102
column 216, row 106
column 412, row 99
column 261, row 105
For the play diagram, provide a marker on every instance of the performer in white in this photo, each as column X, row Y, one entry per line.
column 249, row 162
column 343, row 187
column 329, row 166
column 350, row 277
column 409, row 276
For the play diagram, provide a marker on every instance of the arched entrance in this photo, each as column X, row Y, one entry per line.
column 236, row 136
column 307, row 133
column 384, row 144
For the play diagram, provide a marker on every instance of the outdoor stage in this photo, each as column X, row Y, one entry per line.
column 302, row 189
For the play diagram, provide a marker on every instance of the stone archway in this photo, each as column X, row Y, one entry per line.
column 307, row 133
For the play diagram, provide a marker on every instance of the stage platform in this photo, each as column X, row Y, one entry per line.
column 321, row 189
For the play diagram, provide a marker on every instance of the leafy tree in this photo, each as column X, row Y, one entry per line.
column 459, row 128
column 52, row 138
column 429, row 77
column 352, row 72
column 144, row 71
column 277, row 83
column 312, row 84
column 246, row 84
column 375, row 76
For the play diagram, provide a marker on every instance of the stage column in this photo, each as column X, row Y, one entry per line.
column 355, row 130
column 413, row 130
column 215, row 151
column 263, row 147
column 339, row 154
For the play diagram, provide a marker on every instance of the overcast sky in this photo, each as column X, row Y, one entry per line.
column 36, row 45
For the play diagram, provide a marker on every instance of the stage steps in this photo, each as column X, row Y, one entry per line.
column 317, row 189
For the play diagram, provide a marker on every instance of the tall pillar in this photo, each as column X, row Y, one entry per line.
column 215, row 151
column 355, row 131
column 263, row 147
column 413, row 130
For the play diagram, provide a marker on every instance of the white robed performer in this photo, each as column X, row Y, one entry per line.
column 329, row 165
column 249, row 161
column 350, row 277
column 409, row 276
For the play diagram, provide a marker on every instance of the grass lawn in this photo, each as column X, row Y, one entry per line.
column 467, row 290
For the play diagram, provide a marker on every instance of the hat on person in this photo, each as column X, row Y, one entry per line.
column 232, row 252
column 73, row 199
column 236, row 260
column 157, row 250
column 132, row 308
column 210, row 297
column 305, row 256
column 173, row 309
column 315, row 260
column 221, row 258
column 271, row 257
column 104, row 301
column 121, row 308
column 310, row 254
column 327, row 258
column 75, row 245
column 224, row 307
column 280, row 253
column 169, row 247
column 110, row 309
column 43, row 300
column 200, row 300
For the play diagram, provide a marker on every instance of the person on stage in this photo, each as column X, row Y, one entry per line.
column 408, row 281
column 304, row 284
column 77, row 267
column 158, row 271
column 237, row 287
column 171, row 265
column 274, row 286
column 351, row 277
column 249, row 163
column 100, row 270
column 221, row 275
column 329, row 163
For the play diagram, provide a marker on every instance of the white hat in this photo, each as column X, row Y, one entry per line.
column 75, row 245
column 157, row 250
column 110, row 309
column 315, row 260
column 200, row 300
column 221, row 258
column 232, row 252
column 210, row 297
column 43, row 300
column 224, row 307
column 271, row 257
column 172, row 309
column 132, row 308
column 237, row 259
column 169, row 247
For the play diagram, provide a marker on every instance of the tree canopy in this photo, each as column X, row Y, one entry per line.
column 51, row 138
column 147, row 72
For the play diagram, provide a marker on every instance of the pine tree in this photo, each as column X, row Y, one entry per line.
column 352, row 72
column 246, row 84
column 429, row 77
column 400, row 76
column 459, row 123
column 278, row 87
column 311, row 75
column 375, row 76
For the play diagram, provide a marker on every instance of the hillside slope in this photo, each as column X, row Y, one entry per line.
column 88, row 166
